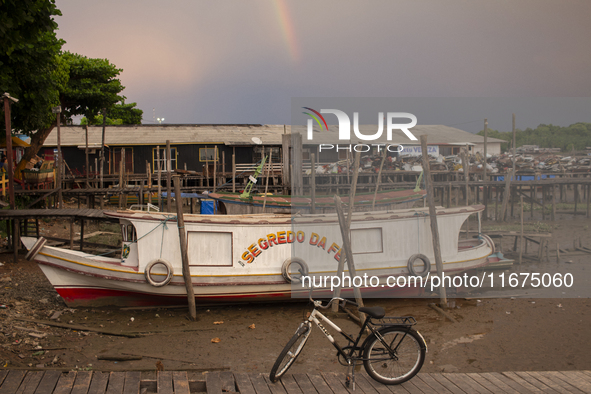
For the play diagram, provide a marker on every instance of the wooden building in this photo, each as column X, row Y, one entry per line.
column 192, row 146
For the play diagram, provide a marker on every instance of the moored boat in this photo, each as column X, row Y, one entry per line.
column 237, row 258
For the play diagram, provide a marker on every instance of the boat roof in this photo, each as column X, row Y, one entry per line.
column 285, row 218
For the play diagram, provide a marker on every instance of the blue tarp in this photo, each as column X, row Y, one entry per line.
column 207, row 207
column 524, row 177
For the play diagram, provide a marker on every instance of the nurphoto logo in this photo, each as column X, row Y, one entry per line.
column 345, row 124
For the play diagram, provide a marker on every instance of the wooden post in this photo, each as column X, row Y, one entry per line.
column 553, row 216
column 72, row 234
column 121, row 159
column 223, row 167
column 466, row 168
column 102, row 156
column 15, row 238
column 87, row 164
column 521, row 235
column 507, row 195
column 576, row 191
column 183, row 244
column 270, row 165
column 379, row 180
column 159, row 177
column 60, row 160
column 345, row 234
column 484, row 178
column 543, row 202
column 353, row 189
column 433, row 221
column 233, row 173
column 215, row 162
column 81, row 234
column 168, row 177
column 588, row 200
column 149, row 176
column 9, row 158
column 297, row 159
column 285, row 171
column 313, row 184
column 141, row 194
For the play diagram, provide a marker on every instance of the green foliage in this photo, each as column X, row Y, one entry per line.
column 576, row 136
column 30, row 68
column 93, row 85
column 117, row 115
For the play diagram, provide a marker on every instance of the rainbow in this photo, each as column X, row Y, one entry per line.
column 288, row 29
column 315, row 118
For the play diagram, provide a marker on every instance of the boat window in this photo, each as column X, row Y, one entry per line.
column 128, row 233
column 131, row 234
column 367, row 240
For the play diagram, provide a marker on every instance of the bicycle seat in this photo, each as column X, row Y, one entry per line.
column 377, row 312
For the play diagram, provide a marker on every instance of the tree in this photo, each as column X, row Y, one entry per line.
column 92, row 85
column 119, row 114
column 30, row 67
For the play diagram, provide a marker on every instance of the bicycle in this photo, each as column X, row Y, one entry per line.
column 392, row 353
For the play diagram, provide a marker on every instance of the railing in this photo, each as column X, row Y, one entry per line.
column 275, row 167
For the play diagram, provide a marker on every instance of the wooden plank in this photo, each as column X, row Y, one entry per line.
column 319, row 384
column 432, row 383
column 465, row 383
column 362, row 383
column 290, row 385
column 164, row 382
column 259, row 384
column 304, row 383
column 276, row 388
column 116, row 383
column 213, row 383
column 579, row 379
column 555, row 383
column 82, row 382
column 3, row 374
column 411, row 387
column 525, row 382
column 243, row 383
column 48, row 382
column 30, row 382
column 483, row 382
column 502, row 386
column 98, row 384
column 421, row 385
column 227, row 379
column 537, row 383
column 65, row 383
column 574, row 382
column 180, row 382
column 448, row 384
column 382, row 388
column 336, row 382
column 132, row 382
column 12, row 381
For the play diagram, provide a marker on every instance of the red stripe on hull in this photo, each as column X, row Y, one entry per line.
column 94, row 297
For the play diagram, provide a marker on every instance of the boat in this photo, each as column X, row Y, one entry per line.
column 386, row 199
column 257, row 257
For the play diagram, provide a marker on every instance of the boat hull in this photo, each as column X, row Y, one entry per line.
column 229, row 265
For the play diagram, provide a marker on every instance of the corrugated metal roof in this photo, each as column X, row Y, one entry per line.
column 243, row 134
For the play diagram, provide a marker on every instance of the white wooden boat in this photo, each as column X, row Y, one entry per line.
column 237, row 258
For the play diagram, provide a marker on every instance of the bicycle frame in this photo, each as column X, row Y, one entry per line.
column 316, row 316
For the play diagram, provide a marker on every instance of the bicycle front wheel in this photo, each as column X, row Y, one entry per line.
column 290, row 352
column 395, row 355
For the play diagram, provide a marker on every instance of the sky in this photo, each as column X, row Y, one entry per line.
column 231, row 61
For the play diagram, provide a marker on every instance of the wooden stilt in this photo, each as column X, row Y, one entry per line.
column 433, row 221
column 184, row 253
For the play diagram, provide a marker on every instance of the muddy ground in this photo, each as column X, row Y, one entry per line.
column 519, row 333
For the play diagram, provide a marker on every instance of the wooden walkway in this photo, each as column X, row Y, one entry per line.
column 177, row 382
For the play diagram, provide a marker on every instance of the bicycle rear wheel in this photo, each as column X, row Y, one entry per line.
column 290, row 352
column 395, row 355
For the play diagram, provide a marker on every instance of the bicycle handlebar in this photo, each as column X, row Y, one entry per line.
column 318, row 303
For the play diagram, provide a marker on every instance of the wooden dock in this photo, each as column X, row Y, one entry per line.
column 177, row 382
